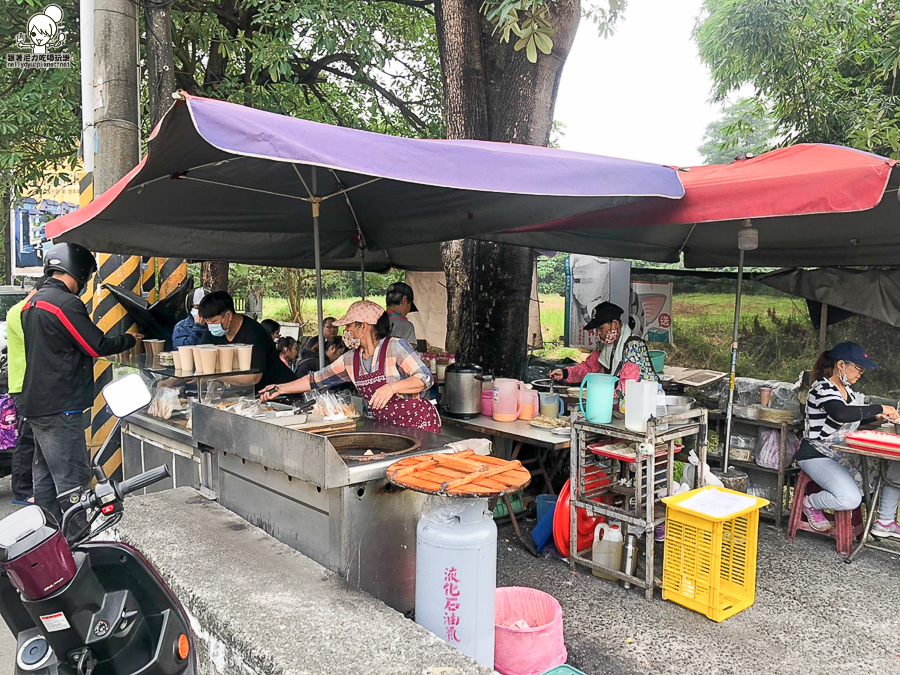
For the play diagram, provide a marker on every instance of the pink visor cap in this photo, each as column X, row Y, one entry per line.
column 361, row 311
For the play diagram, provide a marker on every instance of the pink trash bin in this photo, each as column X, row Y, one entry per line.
column 532, row 650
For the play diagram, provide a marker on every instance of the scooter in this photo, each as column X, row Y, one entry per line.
column 80, row 607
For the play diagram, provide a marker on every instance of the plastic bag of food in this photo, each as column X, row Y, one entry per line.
column 768, row 449
column 165, row 402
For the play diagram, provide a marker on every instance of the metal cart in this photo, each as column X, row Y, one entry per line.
column 627, row 491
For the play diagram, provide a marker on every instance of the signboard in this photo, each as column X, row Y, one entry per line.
column 590, row 281
column 28, row 217
column 651, row 309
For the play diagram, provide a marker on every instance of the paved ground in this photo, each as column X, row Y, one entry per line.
column 813, row 614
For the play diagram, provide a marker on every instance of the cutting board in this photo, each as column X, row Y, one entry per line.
column 315, row 424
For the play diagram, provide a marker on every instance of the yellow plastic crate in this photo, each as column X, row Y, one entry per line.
column 709, row 563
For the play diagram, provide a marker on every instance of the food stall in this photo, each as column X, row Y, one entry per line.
column 319, row 486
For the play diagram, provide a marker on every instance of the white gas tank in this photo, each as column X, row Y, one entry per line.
column 456, row 576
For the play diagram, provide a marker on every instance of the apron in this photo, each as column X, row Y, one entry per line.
column 415, row 413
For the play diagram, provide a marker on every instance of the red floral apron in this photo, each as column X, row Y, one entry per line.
column 416, row 413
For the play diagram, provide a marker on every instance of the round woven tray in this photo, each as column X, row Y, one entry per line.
column 459, row 474
column 776, row 415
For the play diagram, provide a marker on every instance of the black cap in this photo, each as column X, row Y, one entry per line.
column 850, row 351
column 395, row 293
column 604, row 313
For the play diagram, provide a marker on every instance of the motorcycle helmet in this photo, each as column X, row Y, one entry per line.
column 72, row 259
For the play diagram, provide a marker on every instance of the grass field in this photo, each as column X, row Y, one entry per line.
column 776, row 337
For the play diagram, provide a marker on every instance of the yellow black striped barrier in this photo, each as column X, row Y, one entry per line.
column 172, row 272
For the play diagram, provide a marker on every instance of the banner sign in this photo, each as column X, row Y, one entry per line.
column 651, row 309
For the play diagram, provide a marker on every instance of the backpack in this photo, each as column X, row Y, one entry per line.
column 9, row 422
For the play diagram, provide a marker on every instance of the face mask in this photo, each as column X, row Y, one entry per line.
column 195, row 313
column 842, row 374
column 611, row 336
column 217, row 329
column 350, row 341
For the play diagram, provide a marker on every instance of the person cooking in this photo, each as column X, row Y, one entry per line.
column 619, row 347
column 833, row 410
column 387, row 371
column 228, row 327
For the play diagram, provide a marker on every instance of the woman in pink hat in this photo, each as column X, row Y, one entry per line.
column 387, row 372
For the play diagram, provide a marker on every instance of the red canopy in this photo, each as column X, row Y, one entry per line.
column 814, row 204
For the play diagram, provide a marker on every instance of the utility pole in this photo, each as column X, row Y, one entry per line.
column 116, row 126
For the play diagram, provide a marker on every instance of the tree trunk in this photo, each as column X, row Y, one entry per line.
column 492, row 92
column 214, row 276
column 160, row 61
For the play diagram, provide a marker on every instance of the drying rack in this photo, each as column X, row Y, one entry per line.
column 600, row 488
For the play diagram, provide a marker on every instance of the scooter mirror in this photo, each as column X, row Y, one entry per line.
column 126, row 395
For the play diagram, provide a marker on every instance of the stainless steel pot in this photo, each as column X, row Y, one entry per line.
column 462, row 390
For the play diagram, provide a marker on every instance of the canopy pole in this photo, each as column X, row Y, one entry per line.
column 362, row 265
column 734, row 352
column 823, row 326
column 320, row 314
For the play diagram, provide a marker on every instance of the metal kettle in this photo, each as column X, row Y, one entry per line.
column 462, row 390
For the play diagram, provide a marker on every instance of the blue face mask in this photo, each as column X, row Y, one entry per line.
column 216, row 329
column 195, row 313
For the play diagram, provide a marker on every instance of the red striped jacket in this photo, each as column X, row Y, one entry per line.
column 61, row 343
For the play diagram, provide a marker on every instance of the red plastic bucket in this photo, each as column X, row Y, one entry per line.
column 532, row 650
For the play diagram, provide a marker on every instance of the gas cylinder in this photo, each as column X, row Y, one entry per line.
column 456, row 576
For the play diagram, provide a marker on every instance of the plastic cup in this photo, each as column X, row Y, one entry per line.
column 765, row 395
column 226, row 357
column 244, row 355
column 187, row 358
column 208, row 358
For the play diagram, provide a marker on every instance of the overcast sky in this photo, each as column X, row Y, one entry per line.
column 642, row 93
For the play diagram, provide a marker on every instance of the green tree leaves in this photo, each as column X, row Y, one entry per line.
column 744, row 128
column 823, row 69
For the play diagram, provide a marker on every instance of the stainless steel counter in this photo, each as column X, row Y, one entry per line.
column 345, row 515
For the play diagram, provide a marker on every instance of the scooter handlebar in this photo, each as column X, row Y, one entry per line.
column 143, row 480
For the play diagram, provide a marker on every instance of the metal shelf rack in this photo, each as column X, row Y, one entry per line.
column 650, row 473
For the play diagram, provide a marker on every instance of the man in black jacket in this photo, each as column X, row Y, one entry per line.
column 61, row 343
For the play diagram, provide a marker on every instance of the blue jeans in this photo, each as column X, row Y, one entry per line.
column 61, row 460
column 840, row 491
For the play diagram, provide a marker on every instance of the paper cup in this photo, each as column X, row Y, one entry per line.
column 176, row 360
column 155, row 346
column 197, row 365
column 226, row 357
column 187, row 358
column 244, row 356
column 208, row 358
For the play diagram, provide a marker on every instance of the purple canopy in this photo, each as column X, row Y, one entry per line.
column 226, row 182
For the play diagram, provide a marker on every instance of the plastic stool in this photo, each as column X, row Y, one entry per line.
column 846, row 525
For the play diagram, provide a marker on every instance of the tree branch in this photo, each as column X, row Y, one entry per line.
column 425, row 5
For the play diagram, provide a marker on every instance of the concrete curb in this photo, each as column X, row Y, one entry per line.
column 259, row 607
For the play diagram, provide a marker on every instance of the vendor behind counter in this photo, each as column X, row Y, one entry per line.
column 228, row 327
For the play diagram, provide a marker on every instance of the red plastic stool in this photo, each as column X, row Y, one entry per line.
column 846, row 525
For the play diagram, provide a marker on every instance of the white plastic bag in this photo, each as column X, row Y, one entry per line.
column 768, row 448
column 706, row 475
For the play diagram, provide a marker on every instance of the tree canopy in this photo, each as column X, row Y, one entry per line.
column 823, row 69
column 745, row 128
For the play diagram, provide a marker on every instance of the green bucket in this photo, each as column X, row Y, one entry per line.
column 658, row 359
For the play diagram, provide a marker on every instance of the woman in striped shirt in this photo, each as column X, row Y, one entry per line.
column 833, row 410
